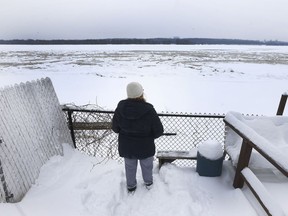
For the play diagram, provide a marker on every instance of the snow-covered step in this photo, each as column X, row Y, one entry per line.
column 262, row 195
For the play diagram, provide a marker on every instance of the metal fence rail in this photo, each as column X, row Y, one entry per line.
column 92, row 134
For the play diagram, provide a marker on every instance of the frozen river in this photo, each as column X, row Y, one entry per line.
column 176, row 78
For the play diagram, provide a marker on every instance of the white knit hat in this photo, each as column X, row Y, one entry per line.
column 134, row 90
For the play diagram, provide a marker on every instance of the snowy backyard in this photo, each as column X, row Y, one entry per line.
column 187, row 79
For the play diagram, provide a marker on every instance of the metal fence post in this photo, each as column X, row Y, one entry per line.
column 71, row 127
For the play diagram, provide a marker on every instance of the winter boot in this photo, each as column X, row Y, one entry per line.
column 149, row 185
column 132, row 189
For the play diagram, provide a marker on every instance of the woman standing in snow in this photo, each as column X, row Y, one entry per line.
column 138, row 125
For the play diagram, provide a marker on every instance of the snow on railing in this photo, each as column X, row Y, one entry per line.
column 265, row 136
column 32, row 129
column 267, row 133
column 265, row 198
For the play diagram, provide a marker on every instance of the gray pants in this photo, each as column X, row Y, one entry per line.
column 131, row 169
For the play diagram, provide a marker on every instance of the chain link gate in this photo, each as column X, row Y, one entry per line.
column 91, row 132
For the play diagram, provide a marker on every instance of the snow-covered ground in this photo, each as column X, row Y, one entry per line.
column 211, row 79
column 77, row 185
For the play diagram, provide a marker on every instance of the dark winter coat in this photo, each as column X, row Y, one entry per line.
column 138, row 125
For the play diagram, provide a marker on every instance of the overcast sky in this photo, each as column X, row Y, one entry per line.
column 93, row 19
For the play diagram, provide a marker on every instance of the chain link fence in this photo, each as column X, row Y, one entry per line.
column 92, row 134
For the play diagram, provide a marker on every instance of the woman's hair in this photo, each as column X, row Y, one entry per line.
column 141, row 98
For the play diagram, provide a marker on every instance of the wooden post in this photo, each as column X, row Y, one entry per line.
column 282, row 104
column 71, row 127
column 243, row 162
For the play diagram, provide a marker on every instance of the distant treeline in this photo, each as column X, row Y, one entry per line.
column 179, row 41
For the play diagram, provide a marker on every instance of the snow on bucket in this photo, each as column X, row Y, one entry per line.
column 210, row 158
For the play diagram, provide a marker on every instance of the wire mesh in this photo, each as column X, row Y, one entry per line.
column 189, row 131
column 93, row 134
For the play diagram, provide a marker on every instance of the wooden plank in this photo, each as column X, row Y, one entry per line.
column 170, row 156
column 177, row 154
column 92, row 125
column 261, row 194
